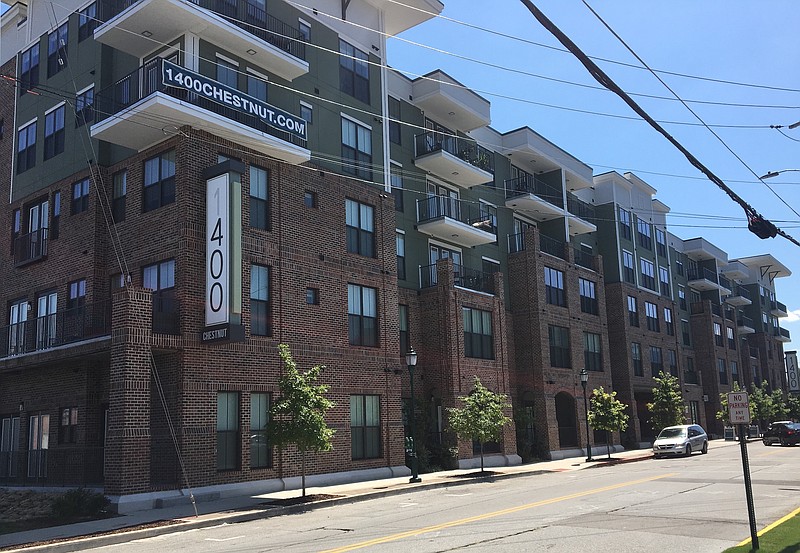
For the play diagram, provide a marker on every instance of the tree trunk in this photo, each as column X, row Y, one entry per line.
column 608, row 443
column 303, row 469
column 481, row 456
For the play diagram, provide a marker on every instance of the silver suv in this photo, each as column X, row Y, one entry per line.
column 680, row 440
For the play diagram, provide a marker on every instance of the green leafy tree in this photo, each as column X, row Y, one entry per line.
column 482, row 416
column 766, row 406
column 793, row 407
column 667, row 406
column 607, row 413
column 298, row 415
column 723, row 413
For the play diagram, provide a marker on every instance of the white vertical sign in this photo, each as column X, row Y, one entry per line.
column 792, row 374
column 217, row 250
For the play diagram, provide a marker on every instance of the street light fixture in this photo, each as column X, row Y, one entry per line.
column 411, row 361
column 584, row 379
column 776, row 173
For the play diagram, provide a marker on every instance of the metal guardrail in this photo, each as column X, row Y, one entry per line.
column 583, row 259
column 579, row 208
column 465, row 277
column 482, row 217
column 464, row 149
column 30, row 247
column 552, row 246
column 745, row 321
column 529, row 184
column 699, row 273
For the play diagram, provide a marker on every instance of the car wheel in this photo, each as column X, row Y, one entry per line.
column 784, row 442
column 705, row 448
column 764, row 440
column 688, row 449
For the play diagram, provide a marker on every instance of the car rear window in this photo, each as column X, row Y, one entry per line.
column 794, row 426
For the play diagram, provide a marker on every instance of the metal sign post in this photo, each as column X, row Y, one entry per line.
column 739, row 414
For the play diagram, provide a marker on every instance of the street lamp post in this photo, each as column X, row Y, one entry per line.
column 584, row 380
column 772, row 174
column 411, row 361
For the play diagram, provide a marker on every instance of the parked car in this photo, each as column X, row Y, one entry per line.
column 782, row 432
column 680, row 440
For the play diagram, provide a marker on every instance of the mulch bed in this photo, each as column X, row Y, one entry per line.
column 297, row 500
column 477, row 474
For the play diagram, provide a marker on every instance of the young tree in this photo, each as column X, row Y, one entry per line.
column 667, row 407
column 481, row 418
column 298, row 415
column 793, row 407
column 767, row 407
column 607, row 413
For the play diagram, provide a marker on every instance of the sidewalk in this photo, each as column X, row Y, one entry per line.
column 74, row 537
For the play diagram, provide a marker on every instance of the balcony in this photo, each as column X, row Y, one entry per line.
column 736, row 269
column 30, row 247
column 62, row 328
column 583, row 259
column 459, row 160
column 739, row 297
column 745, row 325
column 701, row 249
column 581, row 215
column 781, row 335
column 464, row 223
column 447, row 101
column 166, row 315
column 539, row 200
column 399, row 17
column 463, row 277
column 778, row 309
column 703, row 280
column 127, row 109
column 139, row 27
column 753, row 352
column 552, row 246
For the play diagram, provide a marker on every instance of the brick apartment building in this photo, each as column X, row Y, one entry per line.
column 181, row 202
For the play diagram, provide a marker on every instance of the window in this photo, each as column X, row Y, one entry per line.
column 672, row 359
column 679, row 263
column 57, row 50
column 68, row 427
column 362, row 315
column 592, row 358
column 636, row 356
column 648, row 276
column 731, row 338
column 260, row 449
column 394, row 121
column 18, row 315
column 38, row 443
column 84, row 107
column 77, row 294
column 365, row 427
column 29, row 69
column 305, row 30
column 686, row 332
column 478, row 338
column 718, row 334
column 396, row 180
column 312, row 296
column 159, row 277
column 307, row 112
column 668, row 321
column 353, row 72
column 643, row 231
column 54, row 221
column 559, row 346
column 554, row 287
column 651, row 312
column 257, row 87
column 663, row 277
column 46, row 307
column 656, row 361
column 402, row 312
column 633, row 311
column 118, row 197
column 735, row 372
column 159, row 181
column 259, row 199
column 723, row 372
column 682, row 297
column 16, row 226
column 54, row 132
column 625, row 224
column 310, row 198
column 26, row 148
column 628, row 271
column 661, row 242
column 689, row 375
column 356, row 149
column 360, row 224
column 227, row 72
column 227, row 430
column 87, row 21
column 400, row 242
column 259, row 301
column 588, row 296
column 80, row 196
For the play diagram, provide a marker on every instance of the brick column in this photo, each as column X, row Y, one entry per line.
column 128, row 436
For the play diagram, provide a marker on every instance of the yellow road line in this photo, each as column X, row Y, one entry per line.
column 484, row 516
column 771, row 526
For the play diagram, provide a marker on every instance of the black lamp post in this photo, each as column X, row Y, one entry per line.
column 584, row 380
column 411, row 361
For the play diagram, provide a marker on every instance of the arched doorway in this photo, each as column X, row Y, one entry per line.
column 566, row 419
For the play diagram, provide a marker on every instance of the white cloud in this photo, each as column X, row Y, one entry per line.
column 793, row 316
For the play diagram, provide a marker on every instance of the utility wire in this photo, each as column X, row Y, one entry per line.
column 756, row 220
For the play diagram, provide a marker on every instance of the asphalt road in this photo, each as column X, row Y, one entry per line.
column 685, row 504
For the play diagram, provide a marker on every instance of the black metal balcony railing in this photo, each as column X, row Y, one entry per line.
column 462, row 148
column 730, row 314
column 30, row 247
column 690, row 377
column 699, row 273
column 777, row 332
column 148, row 79
column 464, row 277
column 579, row 208
column 166, row 315
column 741, row 291
column 745, row 321
column 583, row 259
column 516, row 242
column 240, row 13
column 724, row 282
column 482, row 217
column 716, row 309
column 552, row 246
column 529, row 184
column 779, row 306
column 63, row 327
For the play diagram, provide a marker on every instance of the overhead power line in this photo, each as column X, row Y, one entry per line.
column 760, row 226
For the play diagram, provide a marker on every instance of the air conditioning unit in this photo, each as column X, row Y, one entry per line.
column 705, row 398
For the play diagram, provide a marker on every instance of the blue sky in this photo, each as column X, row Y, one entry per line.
column 744, row 42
